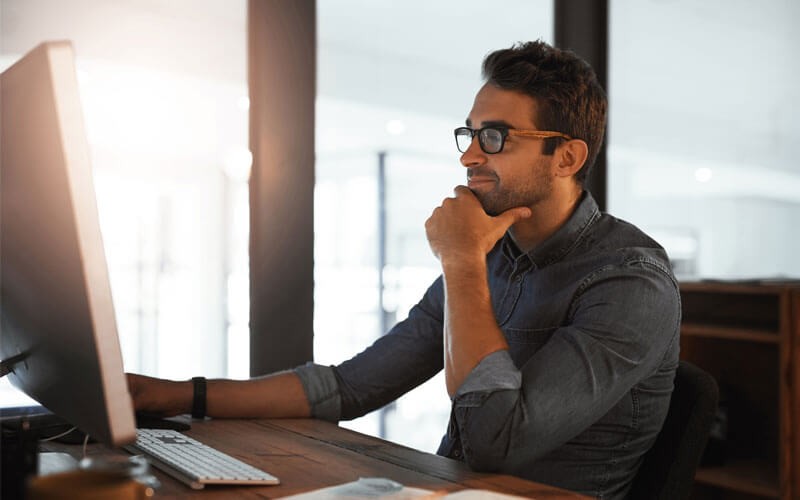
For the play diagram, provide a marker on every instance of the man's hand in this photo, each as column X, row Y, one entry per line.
column 165, row 398
column 461, row 233
column 460, row 228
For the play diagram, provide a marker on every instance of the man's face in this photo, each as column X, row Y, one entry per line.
column 520, row 175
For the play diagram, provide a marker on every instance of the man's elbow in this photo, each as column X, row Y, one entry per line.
column 494, row 442
column 485, row 460
column 488, row 449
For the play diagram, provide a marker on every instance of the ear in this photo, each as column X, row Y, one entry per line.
column 571, row 155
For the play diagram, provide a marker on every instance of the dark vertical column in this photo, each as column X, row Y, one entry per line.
column 582, row 26
column 281, row 42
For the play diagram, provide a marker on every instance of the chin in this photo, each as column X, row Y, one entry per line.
column 491, row 208
column 493, row 205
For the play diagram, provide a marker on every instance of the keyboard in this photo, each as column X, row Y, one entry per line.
column 194, row 463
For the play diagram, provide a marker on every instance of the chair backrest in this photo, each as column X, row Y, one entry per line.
column 668, row 468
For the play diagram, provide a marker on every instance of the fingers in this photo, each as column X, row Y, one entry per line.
column 501, row 223
column 506, row 219
column 461, row 227
column 463, row 194
column 513, row 215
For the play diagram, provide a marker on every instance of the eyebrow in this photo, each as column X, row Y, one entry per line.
column 492, row 123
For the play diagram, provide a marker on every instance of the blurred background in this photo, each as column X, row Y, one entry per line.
column 702, row 148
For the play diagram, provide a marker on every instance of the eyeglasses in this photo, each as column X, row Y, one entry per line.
column 492, row 139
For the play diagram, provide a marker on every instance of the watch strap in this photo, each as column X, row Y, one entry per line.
column 199, row 398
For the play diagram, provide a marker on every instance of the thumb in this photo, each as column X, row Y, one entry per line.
column 512, row 216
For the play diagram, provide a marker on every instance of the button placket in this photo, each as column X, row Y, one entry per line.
column 514, row 290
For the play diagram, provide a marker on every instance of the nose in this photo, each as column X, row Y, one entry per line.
column 474, row 156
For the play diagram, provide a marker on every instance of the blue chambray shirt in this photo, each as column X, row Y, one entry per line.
column 591, row 317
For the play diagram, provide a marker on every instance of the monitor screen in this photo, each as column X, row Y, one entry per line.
column 58, row 335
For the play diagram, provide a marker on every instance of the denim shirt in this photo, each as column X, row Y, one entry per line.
column 591, row 317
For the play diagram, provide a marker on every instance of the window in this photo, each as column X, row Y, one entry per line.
column 703, row 139
column 164, row 94
column 394, row 80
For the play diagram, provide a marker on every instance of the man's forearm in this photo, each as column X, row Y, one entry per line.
column 273, row 396
column 470, row 328
column 461, row 234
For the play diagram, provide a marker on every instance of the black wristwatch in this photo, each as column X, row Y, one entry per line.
column 199, row 400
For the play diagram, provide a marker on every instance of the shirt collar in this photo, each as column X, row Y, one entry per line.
column 563, row 240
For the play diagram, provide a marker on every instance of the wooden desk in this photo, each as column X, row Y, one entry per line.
column 308, row 454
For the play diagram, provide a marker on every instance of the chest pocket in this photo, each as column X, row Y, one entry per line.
column 524, row 342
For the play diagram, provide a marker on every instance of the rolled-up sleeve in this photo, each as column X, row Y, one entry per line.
column 408, row 355
column 495, row 372
column 322, row 391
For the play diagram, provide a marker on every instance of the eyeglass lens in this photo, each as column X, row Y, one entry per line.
column 490, row 139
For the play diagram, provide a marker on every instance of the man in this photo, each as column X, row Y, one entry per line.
column 556, row 325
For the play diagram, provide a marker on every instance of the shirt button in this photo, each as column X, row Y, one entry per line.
column 457, row 453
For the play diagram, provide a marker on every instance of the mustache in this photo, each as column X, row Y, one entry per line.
column 481, row 172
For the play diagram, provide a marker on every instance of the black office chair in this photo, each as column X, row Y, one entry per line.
column 667, row 472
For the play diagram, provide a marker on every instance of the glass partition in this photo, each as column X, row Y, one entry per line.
column 164, row 94
column 703, row 138
column 394, row 80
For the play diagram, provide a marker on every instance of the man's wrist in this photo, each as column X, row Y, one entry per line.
column 463, row 262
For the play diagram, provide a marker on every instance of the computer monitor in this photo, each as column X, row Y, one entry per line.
column 58, row 336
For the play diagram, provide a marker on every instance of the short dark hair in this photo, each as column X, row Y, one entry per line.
column 570, row 99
